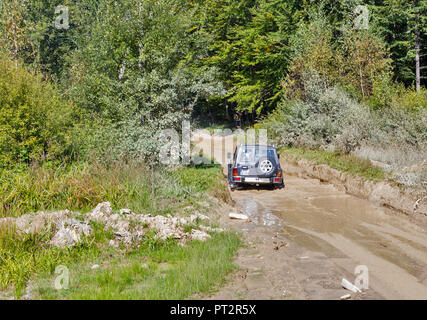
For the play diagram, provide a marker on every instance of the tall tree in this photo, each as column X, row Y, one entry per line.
column 402, row 24
column 251, row 47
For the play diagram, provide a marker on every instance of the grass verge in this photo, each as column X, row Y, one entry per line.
column 81, row 187
column 342, row 162
column 158, row 270
column 25, row 257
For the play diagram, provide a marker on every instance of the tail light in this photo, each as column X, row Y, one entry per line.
column 234, row 172
column 279, row 175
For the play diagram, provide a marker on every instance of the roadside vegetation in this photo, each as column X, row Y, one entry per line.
column 342, row 162
column 158, row 270
column 341, row 107
column 81, row 186
column 82, row 106
column 336, row 129
column 178, row 192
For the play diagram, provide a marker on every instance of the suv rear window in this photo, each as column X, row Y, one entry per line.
column 252, row 154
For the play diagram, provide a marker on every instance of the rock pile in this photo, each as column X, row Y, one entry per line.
column 69, row 228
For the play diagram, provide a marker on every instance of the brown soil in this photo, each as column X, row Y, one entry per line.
column 303, row 240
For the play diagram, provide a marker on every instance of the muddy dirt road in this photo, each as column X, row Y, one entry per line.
column 304, row 239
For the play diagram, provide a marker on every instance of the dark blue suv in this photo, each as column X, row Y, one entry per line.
column 255, row 165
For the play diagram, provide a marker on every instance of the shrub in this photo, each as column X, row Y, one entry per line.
column 324, row 119
column 34, row 119
column 328, row 118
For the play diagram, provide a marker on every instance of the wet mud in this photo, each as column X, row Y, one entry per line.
column 304, row 239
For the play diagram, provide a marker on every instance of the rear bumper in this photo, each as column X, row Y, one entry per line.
column 257, row 180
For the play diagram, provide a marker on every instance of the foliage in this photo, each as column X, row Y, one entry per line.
column 81, row 109
column 139, row 82
column 125, row 186
column 34, row 118
column 251, row 48
column 358, row 61
column 16, row 30
column 397, row 21
column 331, row 118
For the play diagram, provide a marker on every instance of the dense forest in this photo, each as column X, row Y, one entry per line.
column 86, row 78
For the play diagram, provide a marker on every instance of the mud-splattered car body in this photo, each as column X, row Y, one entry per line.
column 255, row 165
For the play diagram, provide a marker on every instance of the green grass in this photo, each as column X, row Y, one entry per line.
column 81, row 188
column 22, row 257
column 346, row 163
column 158, row 270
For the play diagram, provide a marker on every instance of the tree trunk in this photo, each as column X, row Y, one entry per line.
column 15, row 42
column 417, row 61
column 361, row 81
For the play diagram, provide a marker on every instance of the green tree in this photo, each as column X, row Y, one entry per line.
column 398, row 22
column 137, row 72
column 251, row 48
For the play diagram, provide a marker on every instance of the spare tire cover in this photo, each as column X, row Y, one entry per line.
column 266, row 166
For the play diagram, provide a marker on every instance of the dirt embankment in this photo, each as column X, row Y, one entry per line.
column 384, row 193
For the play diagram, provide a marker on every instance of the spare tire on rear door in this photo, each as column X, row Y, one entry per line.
column 265, row 166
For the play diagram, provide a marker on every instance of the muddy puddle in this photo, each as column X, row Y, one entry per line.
column 349, row 230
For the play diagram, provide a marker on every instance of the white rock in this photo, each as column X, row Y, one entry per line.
column 122, row 234
column 349, row 286
column 196, row 216
column 125, row 211
column 95, row 266
column 209, row 229
column 101, row 212
column 238, row 216
column 113, row 244
column 114, row 217
column 65, row 237
column 199, row 235
column 120, row 226
column 80, row 227
column 346, row 297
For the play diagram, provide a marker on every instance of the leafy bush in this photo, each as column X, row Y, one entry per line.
column 328, row 118
column 130, row 84
column 34, row 119
column 324, row 119
column 358, row 61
